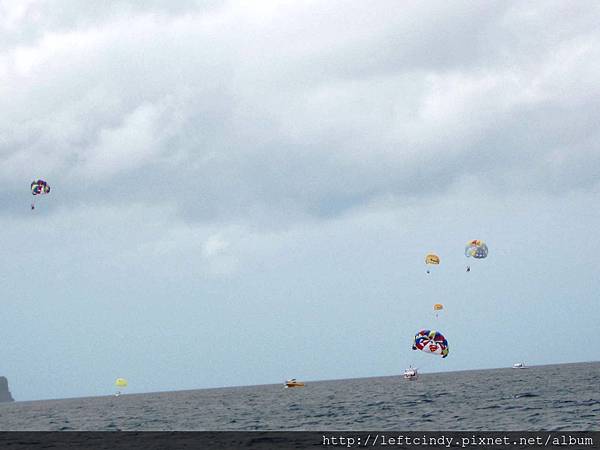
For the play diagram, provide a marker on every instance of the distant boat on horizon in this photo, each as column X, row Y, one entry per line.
column 520, row 365
column 411, row 373
column 293, row 383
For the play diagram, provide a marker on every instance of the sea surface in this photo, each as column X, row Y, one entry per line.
column 554, row 397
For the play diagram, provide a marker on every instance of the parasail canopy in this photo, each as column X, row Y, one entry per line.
column 431, row 341
column 476, row 249
column 432, row 258
column 40, row 187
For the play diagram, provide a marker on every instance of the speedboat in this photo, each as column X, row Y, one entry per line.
column 520, row 365
column 293, row 383
column 411, row 373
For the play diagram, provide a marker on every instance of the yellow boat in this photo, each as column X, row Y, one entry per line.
column 293, row 383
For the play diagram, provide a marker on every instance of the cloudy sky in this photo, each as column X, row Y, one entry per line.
column 244, row 192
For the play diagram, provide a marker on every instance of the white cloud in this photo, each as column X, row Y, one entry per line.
column 215, row 245
column 127, row 146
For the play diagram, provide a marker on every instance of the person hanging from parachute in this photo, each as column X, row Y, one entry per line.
column 431, row 259
column 39, row 187
column 431, row 341
column 437, row 307
column 476, row 249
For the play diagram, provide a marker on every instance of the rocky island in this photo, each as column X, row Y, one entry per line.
column 4, row 392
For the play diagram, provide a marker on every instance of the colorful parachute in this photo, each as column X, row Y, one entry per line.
column 477, row 249
column 40, row 187
column 431, row 341
column 438, row 307
column 432, row 258
column 121, row 383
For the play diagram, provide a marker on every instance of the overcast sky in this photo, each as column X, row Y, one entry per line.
column 244, row 192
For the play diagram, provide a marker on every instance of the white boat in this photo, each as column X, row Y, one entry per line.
column 411, row 373
column 520, row 365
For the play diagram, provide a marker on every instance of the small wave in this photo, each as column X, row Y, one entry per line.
column 374, row 404
column 488, row 407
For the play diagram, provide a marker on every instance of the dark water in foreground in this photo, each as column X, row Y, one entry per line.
column 557, row 397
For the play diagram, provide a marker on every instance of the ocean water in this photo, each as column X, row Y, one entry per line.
column 556, row 397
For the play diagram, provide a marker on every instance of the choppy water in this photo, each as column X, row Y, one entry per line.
column 557, row 397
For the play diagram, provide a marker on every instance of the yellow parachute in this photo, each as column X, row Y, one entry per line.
column 432, row 258
column 121, row 383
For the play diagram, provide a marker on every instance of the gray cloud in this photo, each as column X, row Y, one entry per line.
column 295, row 110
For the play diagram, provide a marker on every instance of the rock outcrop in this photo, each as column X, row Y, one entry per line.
column 4, row 392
